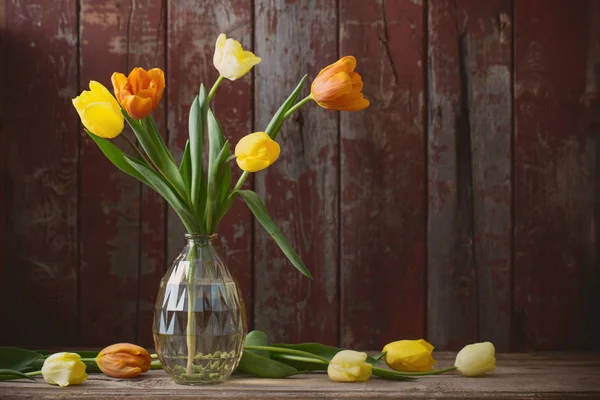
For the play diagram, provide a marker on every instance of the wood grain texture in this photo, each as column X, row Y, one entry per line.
column 452, row 276
column 41, row 186
column 470, row 129
column 383, row 176
column 554, row 232
column 147, row 49
column 193, row 28
column 591, row 101
column 518, row 376
column 3, row 155
column 301, row 189
column 109, row 199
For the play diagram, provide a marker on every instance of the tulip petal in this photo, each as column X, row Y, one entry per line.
column 137, row 107
column 101, row 120
column 103, row 94
column 231, row 60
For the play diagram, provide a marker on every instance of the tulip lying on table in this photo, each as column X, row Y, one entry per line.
column 125, row 360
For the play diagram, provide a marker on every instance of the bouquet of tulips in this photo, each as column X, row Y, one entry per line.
column 201, row 195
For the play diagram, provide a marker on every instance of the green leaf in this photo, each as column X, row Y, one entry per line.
column 390, row 374
column 264, row 367
column 257, row 338
column 275, row 124
column 156, row 138
column 378, row 356
column 161, row 187
column 185, row 168
column 213, row 186
column 8, row 374
column 116, row 156
column 300, row 363
column 256, row 205
column 197, row 126
column 13, row 358
column 158, row 154
column 319, row 349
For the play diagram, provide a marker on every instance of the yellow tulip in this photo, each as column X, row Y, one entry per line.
column 476, row 359
column 64, row 369
column 256, row 151
column 99, row 111
column 231, row 60
column 124, row 360
column 349, row 366
column 140, row 92
column 409, row 355
column 338, row 87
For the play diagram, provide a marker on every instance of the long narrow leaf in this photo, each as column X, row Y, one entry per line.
column 273, row 128
column 264, row 367
column 197, row 126
column 159, row 156
column 116, row 156
column 258, row 208
column 167, row 192
column 8, row 374
column 156, row 138
column 213, row 186
column 13, row 358
column 185, row 168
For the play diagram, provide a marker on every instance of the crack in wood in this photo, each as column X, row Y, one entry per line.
column 383, row 38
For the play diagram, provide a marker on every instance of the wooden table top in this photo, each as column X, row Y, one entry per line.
column 518, row 376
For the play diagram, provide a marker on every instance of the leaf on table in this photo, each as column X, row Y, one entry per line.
column 7, row 374
column 264, row 367
column 257, row 338
column 13, row 358
column 321, row 350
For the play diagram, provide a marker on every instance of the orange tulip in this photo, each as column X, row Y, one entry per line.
column 123, row 360
column 140, row 92
column 338, row 87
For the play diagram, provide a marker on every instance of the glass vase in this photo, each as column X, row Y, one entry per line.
column 199, row 318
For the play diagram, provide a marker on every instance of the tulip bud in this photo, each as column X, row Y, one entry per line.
column 338, row 87
column 140, row 92
column 124, row 360
column 409, row 355
column 476, row 359
column 231, row 60
column 64, row 369
column 99, row 111
column 349, row 366
column 256, row 151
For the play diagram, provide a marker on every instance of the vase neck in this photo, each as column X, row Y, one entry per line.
column 199, row 238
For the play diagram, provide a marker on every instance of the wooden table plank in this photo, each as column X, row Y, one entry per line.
column 519, row 376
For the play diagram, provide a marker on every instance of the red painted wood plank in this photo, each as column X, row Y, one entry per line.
column 301, row 189
column 554, row 232
column 147, row 49
column 383, row 176
column 41, row 197
column 3, row 156
column 193, row 28
column 109, row 199
column 469, row 225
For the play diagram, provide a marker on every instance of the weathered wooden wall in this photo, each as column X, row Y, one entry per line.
column 463, row 205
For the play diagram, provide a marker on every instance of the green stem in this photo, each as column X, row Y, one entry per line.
column 296, row 106
column 288, row 351
column 154, row 356
column 191, row 317
column 436, row 372
column 241, row 181
column 213, row 90
column 33, row 373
